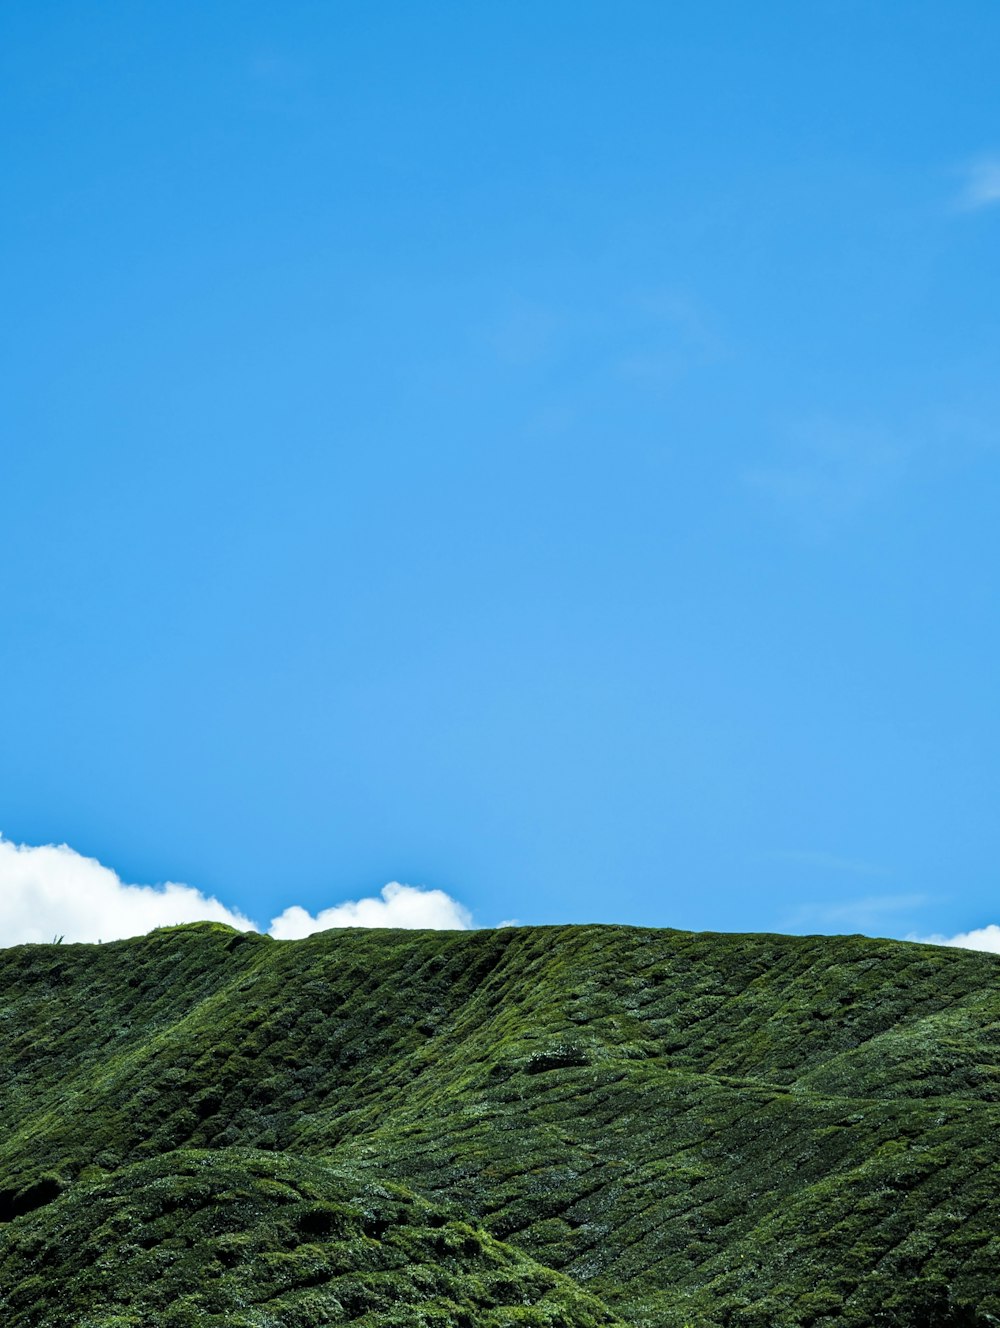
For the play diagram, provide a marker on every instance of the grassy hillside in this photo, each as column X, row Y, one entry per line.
column 558, row 1126
column 244, row 1239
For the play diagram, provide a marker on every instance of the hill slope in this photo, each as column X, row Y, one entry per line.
column 608, row 1124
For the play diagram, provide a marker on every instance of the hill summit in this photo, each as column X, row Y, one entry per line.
column 552, row 1127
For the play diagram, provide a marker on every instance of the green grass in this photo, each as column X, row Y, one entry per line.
column 647, row 1127
column 243, row 1239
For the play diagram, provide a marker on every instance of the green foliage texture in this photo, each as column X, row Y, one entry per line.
column 559, row 1127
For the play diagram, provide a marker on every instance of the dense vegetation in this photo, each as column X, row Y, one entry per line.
column 559, row 1127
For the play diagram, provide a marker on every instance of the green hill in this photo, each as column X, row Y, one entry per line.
column 531, row 1126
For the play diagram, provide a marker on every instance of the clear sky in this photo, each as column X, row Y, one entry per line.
column 547, row 453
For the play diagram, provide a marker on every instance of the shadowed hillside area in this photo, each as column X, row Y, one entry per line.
column 552, row 1126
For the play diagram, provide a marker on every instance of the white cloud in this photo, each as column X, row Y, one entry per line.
column 50, row 890
column 397, row 906
column 982, row 938
column 982, row 184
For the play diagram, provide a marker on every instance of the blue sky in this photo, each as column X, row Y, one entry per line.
column 548, row 454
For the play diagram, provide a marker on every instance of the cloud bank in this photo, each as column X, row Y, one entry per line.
column 50, row 891
column 981, row 938
column 397, row 906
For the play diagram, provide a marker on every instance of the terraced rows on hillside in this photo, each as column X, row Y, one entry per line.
column 553, row 1126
